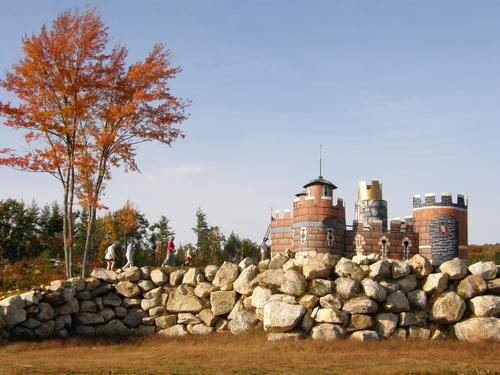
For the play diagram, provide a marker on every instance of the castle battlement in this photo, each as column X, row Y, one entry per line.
column 445, row 201
column 436, row 229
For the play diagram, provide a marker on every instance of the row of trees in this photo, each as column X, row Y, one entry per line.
column 83, row 111
column 27, row 231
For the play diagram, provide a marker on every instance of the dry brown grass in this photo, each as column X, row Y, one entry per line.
column 248, row 354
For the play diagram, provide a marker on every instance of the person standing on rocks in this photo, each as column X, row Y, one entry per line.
column 169, row 259
column 110, row 257
column 129, row 254
column 189, row 259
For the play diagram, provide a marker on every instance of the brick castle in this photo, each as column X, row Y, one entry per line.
column 437, row 229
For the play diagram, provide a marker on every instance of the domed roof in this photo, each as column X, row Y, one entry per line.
column 320, row 180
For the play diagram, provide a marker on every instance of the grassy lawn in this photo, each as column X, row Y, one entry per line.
column 248, row 354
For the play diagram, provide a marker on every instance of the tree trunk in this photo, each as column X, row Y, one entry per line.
column 90, row 229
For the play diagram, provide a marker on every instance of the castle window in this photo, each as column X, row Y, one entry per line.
column 329, row 236
column 384, row 245
column 303, row 235
column 326, row 191
column 443, row 229
column 406, row 248
column 308, row 191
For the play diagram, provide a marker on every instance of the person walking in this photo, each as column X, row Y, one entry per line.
column 110, row 257
column 129, row 254
column 169, row 259
column 188, row 260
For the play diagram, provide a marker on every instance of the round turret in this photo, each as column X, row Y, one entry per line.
column 370, row 206
column 318, row 225
column 441, row 227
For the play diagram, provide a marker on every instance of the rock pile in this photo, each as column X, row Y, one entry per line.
column 363, row 299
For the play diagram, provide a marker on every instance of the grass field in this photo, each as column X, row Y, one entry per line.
column 248, row 354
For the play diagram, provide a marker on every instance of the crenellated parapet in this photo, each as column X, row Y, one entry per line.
column 429, row 200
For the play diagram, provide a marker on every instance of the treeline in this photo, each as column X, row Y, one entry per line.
column 30, row 230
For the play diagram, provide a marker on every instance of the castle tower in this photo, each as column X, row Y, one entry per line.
column 441, row 227
column 370, row 206
column 318, row 224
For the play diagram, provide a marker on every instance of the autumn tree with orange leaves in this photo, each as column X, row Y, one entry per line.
column 84, row 110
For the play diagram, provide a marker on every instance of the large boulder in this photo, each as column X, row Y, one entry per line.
column 149, row 303
column 397, row 302
column 436, row 283
column 386, row 324
column 31, row 298
column 416, row 319
column 346, row 287
column 399, row 269
column 477, row 329
column 271, row 278
column 293, row 283
column 183, row 299
column 226, row 274
column 191, row 276
column 70, row 307
column 260, row 296
column 222, row 302
column 327, row 331
column 187, row 318
column 407, row 283
column 494, row 286
column 313, row 268
column 485, row 305
column 456, row 268
column 133, row 318
column 277, row 262
column 111, row 299
column 330, row 301
column 282, row 317
column 320, row 287
column 359, row 322
column 309, row 301
column 210, row 271
column 417, row 299
column 486, row 270
column 200, row 329
column 89, row 318
column 380, row 270
column 127, row 289
column 448, row 308
column 44, row 330
column 113, row 328
column 360, row 305
column 104, row 275
column 176, row 277
column 166, row 321
column 145, row 285
column 365, row 336
column 158, row 276
column 245, row 263
column 45, row 312
column 471, row 286
column 130, row 274
column 420, row 265
column 204, row 289
column 177, row 330
column 242, row 322
column 208, row 317
column 374, row 290
column 331, row 316
column 246, row 281
column 347, row 268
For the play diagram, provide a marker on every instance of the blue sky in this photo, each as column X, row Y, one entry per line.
column 407, row 92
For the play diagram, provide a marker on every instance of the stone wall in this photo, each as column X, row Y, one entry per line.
column 363, row 298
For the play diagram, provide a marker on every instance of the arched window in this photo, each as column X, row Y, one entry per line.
column 303, row 235
column 330, row 237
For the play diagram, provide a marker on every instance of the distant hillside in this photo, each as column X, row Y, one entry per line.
column 484, row 252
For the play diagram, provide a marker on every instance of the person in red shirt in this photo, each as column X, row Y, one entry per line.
column 169, row 259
